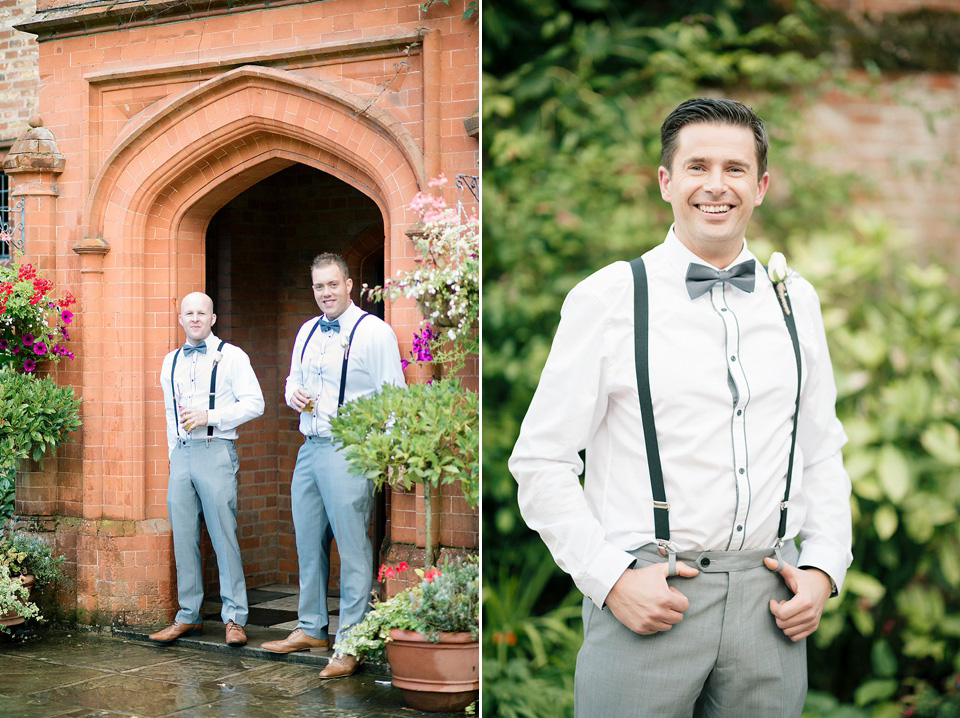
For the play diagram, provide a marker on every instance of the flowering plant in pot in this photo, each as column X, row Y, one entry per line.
column 33, row 323
column 427, row 434
column 25, row 563
column 428, row 633
column 36, row 414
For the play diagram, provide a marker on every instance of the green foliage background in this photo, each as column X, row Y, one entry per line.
column 574, row 94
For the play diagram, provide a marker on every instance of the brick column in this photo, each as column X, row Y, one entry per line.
column 34, row 164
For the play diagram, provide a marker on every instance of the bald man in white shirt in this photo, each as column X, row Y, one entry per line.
column 209, row 389
column 683, row 534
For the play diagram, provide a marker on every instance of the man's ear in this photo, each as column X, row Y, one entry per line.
column 663, row 178
column 762, row 187
column 213, row 320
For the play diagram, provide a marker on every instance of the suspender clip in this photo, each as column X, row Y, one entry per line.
column 783, row 505
column 665, row 505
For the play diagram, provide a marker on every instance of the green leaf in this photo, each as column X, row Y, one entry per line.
column 894, row 472
column 885, row 522
column 942, row 440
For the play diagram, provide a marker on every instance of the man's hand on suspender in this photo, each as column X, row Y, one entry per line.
column 643, row 602
column 800, row 616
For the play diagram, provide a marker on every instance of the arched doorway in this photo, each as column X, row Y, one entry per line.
column 258, row 250
column 157, row 202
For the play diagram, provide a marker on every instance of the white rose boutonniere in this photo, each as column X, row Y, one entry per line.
column 217, row 356
column 344, row 341
column 777, row 271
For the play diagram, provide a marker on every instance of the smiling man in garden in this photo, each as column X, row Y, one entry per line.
column 340, row 356
column 701, row 389
column 209, row 389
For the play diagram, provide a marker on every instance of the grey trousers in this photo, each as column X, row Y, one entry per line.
column 203, row 481
column 725, row 659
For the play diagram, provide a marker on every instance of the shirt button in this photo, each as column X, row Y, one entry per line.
column 739, row 412
column 704, row 562
column 733, row 358
column 739, row 528
column 741, row 471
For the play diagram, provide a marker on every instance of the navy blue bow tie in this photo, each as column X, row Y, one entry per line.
column 190, row 348
column 333, row 326
column 700, row 279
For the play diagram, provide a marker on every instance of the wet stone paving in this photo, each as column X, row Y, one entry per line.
column 82, row 674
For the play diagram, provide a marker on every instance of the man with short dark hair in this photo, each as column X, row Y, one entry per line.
column 209, row 389
column 340, row 356
column 702, row 391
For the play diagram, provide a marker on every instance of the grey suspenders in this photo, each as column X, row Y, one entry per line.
column 641, row 324
column 213, row 387
column 346, row 354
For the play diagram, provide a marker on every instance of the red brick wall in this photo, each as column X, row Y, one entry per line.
column 18, row 66
column 187, row 137
column 904, row 139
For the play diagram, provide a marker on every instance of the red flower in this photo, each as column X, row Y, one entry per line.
column 402, row 566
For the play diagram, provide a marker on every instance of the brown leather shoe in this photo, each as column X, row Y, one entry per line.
column 235, row 635
column 175, row 630
column 296, row 641
column 341, row 667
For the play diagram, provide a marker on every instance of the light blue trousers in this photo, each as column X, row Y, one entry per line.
column 725, row 659
column 203, row 481
column 331, row 502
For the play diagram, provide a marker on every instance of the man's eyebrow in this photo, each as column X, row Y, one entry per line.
column 732, row 162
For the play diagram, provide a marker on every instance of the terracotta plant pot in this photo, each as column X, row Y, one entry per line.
column 435, row 677
column 12, row 618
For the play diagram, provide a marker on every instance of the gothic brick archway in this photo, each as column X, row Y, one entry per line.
column 171, row 172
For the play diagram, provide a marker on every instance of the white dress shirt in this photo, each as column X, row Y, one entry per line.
column 374, row 361
column 723, row 384
column 238, row 400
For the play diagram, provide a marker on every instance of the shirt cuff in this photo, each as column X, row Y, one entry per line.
column 605, row 570
column 213, row 418
column 826, row 562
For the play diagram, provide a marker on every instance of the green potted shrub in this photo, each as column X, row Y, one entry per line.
column 25, row 563
column 429, row 634
column 429, row 433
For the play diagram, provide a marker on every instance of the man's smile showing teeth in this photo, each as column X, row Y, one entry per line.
column 715, row 208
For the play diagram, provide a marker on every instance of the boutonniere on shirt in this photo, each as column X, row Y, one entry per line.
column 777, row 271
column 217, row 356
column 344, row 341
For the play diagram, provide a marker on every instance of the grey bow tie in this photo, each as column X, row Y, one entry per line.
column 190, row 348
column 700, row 278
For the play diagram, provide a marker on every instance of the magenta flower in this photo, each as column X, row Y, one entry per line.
column 29, row 365
column 63, row 333
column 3, row 345
column 404, row 364
column 14, row 350
column 39, row 348
column 67, row 316
column 28, row 340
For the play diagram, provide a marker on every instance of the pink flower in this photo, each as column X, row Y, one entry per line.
column 28, row 340
column 39, row 348
column 404, row 364
column 29, row 365
column 67, row 316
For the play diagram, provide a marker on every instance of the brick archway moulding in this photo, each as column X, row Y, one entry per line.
column 171, row 169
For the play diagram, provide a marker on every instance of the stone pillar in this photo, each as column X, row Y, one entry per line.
column 34, row 164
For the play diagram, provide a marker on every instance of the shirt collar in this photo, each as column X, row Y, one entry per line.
column 211, row 341
column 349, row 317
column 680, row 257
